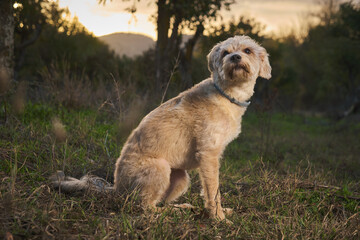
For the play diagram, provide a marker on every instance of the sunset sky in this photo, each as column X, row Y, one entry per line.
column 278, row 15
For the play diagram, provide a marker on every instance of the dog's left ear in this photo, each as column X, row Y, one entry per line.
column 213, row 56
column 265, row 68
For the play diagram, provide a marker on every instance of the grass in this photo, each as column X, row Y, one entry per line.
column 286, row 177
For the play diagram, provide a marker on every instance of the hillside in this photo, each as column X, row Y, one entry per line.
column 128, row 44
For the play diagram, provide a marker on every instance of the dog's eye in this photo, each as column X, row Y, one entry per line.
column 247, row 50
column 225, row 53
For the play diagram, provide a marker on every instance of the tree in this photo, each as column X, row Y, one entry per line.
column 6, row 41
column 172, row 17
column 6, row 47
column 29, row 21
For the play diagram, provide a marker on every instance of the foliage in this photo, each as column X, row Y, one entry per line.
column 324, row 68
column 308, row 73
column 59, row 40
column 319, row 72
column 333, row 63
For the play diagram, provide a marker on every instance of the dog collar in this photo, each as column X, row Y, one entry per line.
column 231, row 99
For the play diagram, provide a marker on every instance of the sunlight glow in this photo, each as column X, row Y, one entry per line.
column 102, row 20
column 278, row 16
column 17, row 5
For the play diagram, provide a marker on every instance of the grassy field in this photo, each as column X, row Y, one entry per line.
column 286, row 177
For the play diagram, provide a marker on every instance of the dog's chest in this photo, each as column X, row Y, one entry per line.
column 234, row 120
column 235, row 130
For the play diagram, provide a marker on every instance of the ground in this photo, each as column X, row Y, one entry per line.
column 287, row 176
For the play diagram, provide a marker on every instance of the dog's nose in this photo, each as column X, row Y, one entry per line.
column 235, row 58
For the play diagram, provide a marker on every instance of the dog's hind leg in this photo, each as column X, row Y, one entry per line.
column 179, row 183
column 153, row 178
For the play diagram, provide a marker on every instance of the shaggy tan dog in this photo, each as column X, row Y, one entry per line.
column 189, row 131
column 192, row 130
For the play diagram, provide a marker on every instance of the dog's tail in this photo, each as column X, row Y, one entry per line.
column 87, row 183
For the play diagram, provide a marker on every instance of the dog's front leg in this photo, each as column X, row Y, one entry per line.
column 209, row 174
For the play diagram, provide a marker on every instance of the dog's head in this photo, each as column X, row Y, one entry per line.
column 239, row 59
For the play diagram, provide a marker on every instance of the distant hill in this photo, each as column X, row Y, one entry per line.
column 128, row 44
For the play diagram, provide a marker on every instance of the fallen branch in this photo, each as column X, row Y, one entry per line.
column 315, row 186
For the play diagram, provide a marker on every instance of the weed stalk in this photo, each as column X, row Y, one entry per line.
column 14, row 171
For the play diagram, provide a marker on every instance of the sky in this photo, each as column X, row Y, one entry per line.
column 279, row 16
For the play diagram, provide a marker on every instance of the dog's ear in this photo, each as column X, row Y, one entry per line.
column 265, row 68
column 213, row 56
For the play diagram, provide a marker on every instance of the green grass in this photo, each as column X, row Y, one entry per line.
column 286, row 177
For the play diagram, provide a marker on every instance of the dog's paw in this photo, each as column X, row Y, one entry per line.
column 217, row 215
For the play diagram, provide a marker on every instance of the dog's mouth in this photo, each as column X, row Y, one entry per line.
column 238, row 70
column 241, row 67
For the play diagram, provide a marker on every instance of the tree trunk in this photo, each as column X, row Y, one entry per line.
column 186, row 55
column 20, row 49
column 162, row 63
column 7, row 38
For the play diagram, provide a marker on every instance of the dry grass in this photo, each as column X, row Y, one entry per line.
column 266, row 206
column 276, row 184
column 62, row 86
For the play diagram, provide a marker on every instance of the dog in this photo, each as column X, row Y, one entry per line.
column 192, row 130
